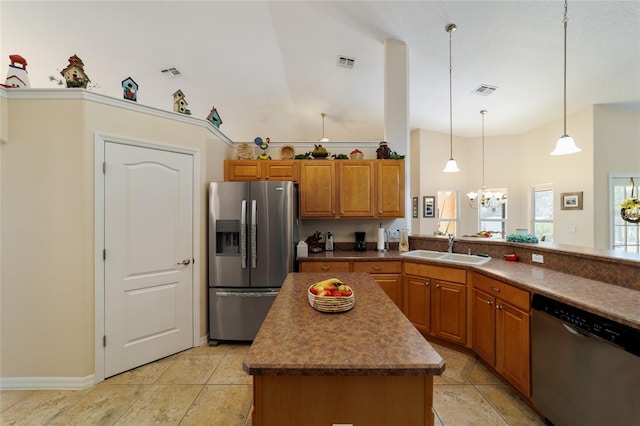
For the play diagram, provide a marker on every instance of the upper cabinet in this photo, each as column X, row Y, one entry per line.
column 351, row 188
column 276, row 170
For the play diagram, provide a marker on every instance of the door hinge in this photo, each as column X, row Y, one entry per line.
column 104, row 341
column 104, row 254
column 104, row 167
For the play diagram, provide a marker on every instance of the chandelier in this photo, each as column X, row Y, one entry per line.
column 486, row 198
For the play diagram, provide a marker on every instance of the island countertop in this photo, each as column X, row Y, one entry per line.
column 373, row 338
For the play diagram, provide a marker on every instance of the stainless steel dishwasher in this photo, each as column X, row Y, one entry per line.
column 585, row 368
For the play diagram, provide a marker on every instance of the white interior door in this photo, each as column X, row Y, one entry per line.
column 148, row 266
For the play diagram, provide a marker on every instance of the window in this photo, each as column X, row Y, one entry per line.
column 447, row 212
column 543, row 212
column 625, row 236
column 492, row 211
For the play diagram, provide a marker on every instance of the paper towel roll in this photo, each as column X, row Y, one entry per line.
column 380, row 239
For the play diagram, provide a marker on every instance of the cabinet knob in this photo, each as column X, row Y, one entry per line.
column 438, row 286
column 489, row 302
column 496, row 289
column 258, row 177
column 333, row 212
column 498, row 306
column 379, row 211
column 266, row 177
column 377, row 268
column 325, row 268
column 428, row 283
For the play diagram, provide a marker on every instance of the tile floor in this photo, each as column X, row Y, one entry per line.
column 207, row 386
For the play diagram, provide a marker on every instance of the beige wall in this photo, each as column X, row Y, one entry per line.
column 616, row 150
column 514, row 162
column 47, row 229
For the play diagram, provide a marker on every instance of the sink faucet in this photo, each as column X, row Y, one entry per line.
column 451, row 241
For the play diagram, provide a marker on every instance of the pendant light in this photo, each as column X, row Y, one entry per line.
column 323, row 139
column 566, row 144
column 451, row 166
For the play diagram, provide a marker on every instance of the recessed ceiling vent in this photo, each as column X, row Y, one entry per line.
column 171, row 72
column 484, row 90
column 346, row 62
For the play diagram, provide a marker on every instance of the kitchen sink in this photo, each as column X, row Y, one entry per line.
column 465, row 259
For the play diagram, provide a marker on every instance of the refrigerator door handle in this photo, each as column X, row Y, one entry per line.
column 243, row 234
column 254, row 234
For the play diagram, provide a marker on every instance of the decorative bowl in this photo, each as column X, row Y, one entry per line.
column 287, row 152
column 331, row 303
column 245, row 151
column 357, row 156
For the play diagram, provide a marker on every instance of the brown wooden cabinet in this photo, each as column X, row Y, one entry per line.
column 356, row 196
column 325, row 266
column 390, row 188
column 436, row 300
column 317, row 189
column 252, row 170
column 351, row 188
column 388, row 275
column 501, row 329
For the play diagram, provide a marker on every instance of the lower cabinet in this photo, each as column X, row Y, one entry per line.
column 436, row 301
column 501, row 329
column 388, row 273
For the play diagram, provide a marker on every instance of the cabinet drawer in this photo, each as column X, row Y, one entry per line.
column 437, row 272
column 504, row 291
column 324, row 267
column 378, row 267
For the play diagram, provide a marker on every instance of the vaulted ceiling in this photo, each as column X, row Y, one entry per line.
column 270, row 67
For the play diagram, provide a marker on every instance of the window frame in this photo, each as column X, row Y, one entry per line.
column 615, row 213
column 541, row 188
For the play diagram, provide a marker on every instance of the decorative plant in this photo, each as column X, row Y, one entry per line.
column 630, row 208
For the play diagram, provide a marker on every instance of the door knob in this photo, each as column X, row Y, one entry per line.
column 185, row 262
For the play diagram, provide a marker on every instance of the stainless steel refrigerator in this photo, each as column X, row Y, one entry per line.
column 253, row 230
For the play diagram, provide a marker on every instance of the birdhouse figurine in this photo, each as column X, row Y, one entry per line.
column 180, row 103
column 130, row 89
column 17, row 75
column 74, row 73
column 214, row 117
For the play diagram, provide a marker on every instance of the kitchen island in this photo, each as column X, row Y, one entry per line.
column 366, row 366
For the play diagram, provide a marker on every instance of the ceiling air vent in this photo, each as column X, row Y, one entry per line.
column 346, row 62
column 484, row 90
column 171, row 72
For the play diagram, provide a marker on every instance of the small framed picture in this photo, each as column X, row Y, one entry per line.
column 571, row 201
column 429, row 202
column 414, row 205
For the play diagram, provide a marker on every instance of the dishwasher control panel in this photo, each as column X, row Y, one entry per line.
column 621, row 335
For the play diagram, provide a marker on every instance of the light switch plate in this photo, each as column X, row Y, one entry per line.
column 538, row 258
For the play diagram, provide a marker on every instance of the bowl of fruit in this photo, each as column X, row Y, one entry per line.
column 356, row 154
column 331, row 295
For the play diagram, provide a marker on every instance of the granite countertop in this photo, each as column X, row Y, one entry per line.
column 610, row 301
column 373, row 338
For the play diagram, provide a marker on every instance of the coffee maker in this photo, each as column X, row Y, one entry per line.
column 360, row 243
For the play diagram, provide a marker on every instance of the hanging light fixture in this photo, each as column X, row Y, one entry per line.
column 323, row 139
column 486, row 198
column 566, row 144
column 451, row 166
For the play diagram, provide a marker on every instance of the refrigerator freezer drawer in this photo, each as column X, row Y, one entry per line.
column 236, row 315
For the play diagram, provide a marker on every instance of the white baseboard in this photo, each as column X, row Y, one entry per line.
column 49, row 383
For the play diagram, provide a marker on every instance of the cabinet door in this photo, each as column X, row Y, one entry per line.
column 484, row 326
column 513, row 346
column 280, row 170
column 449, row 319
column 390, row 188
column 392, row 285
column 356, row 193
column 239, row 170
column 418, row 302
column 317, row 189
